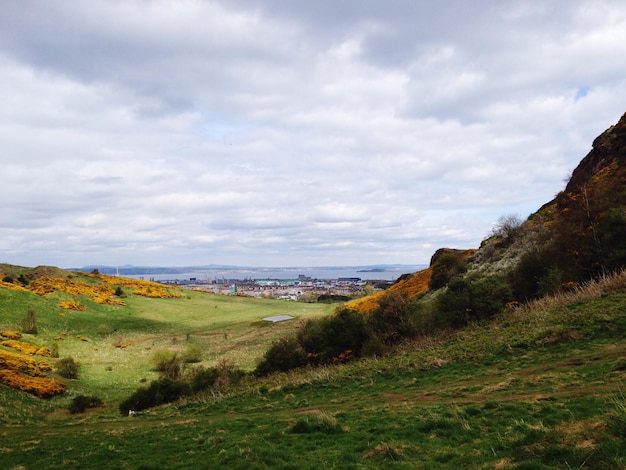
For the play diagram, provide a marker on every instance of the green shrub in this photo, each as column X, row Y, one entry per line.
column 445, row 267
column 342, row 332
column 68, row 367
column 550, row 282
column 310, row 339
column 472, row 298
column 424, row 317
column 29, row 323
column 283, row 355
column 201, row 378
column 611, row 230
column 193, row 353
column 168, row 363
column 81, row 403
column 159, row 392
column 452, row 305
column 393, row 319
column 373, row 347
column 23, row 280
column 488, row 296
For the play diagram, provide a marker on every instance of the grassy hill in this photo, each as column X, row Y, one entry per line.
column 115, row 337
column 537, row 387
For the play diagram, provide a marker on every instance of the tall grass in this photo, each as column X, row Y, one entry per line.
column 592, row 289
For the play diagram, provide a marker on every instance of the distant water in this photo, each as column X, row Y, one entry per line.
column 388, row 273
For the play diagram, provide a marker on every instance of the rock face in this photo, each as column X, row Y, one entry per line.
column 585, row 223
column 608, row 148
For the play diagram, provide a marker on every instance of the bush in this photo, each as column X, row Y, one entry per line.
column 424, row 317
column 168, row 363
column 283, row 355
column 193, row 353
column 81, row 403
column 470, row 299
column 68, row 367
column 218, row 378
column 488, row 296
column 452, row 305
column 550, row 282
column 29, row 323
column 342, row 332
column 159, row 392
column 310, row 339
column 508, row 227
column 445, row 267
column 529, row 276
column 373, row 347
column 201, row 378
column 393, row 319
column 338, row 338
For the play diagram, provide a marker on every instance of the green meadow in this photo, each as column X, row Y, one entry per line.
column 114, row 345
column 539, row 387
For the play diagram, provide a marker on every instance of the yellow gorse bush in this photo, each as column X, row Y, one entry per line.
column 140, row 287
column 72, row 305
column 43, row 351
column 16, row 362
column 43, row 387
column 100, row 293
column 26, row 348
column 11, row 334
column 12, row 286
column 23, row 373
column 156, row 292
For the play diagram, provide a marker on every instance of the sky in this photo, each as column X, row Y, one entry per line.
column 292, row 133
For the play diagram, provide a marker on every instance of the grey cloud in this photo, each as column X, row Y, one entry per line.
column 291, row 132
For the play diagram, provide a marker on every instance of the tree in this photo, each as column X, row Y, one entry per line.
column 507, row 226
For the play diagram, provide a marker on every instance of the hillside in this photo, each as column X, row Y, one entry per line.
column 113, row 326
column 539, row 388
column 577, row 236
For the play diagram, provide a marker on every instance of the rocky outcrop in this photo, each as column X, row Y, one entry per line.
column 609, row 147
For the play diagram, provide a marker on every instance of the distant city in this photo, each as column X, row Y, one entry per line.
column 289, row 283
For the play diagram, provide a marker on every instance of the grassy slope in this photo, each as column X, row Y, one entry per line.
column 226, row 328
column 539, row 388
column 414, row 284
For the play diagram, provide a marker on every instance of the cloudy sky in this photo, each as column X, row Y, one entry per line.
column 292, row 133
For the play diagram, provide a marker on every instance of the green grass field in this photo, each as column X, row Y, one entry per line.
column 115, row 344
column 535, row 388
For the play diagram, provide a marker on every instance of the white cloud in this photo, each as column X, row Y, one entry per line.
column 291, row 132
